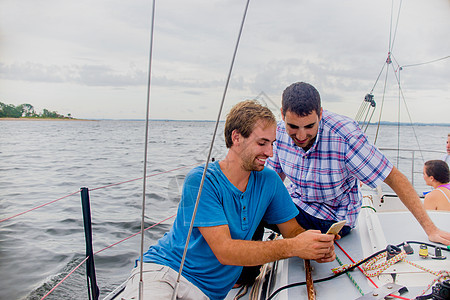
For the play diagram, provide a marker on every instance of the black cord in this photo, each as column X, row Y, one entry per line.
column 288, row 286
column 428, row 244
column 326, row 278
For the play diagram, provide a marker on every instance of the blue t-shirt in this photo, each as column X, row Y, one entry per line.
column 221, row 203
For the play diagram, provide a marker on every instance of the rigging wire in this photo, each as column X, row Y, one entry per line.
column 402, row 97
column 174, row 295
column 390, row 27
column 398, row 115
column 382, row 104
column 379, row 75
column 396, row 25
column 388, row 61
column 144, row 181
column 425, row 63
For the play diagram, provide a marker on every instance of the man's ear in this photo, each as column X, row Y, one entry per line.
column 235, row 137
column 282, row 115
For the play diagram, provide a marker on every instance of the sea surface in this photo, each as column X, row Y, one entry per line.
column 44, row 161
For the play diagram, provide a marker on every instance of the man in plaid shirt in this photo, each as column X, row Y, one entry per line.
column 325, row 156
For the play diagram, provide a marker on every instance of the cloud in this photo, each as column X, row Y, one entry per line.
column 89, row 75
column 102, row 47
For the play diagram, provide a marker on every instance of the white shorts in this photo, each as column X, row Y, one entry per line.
column 159, row 283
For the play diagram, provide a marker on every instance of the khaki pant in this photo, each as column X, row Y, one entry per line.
column 159, row 284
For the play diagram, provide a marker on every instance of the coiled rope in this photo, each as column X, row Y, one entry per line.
column 371, row 265
column 350, row 277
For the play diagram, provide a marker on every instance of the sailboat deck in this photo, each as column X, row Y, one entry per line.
column 373, row 233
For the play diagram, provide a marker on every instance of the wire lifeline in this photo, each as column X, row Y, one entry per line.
column 209, row 153
column 110, row 246
column 101, row 250
column 39, row 206
column 135, row 179
column 144, row 181
column 67, row 276
column 123, row 240
column 93, row 189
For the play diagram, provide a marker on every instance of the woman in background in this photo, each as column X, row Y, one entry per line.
column 436, row 174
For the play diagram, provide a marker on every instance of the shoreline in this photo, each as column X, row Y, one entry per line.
column 42, row 119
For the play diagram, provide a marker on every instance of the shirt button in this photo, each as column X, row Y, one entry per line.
column 244, row 207
column 244, row 218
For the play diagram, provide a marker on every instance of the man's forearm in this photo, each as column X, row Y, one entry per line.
column 254, row 253
column 405, row 191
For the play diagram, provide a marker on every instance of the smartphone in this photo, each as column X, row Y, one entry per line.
column 336, row 227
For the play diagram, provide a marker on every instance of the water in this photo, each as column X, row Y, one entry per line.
column 41, row 161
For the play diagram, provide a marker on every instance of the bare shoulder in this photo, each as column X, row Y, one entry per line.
column 435, row 200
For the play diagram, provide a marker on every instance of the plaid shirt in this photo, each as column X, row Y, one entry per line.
column 324, row 180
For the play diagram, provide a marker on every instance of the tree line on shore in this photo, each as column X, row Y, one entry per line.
column 27, row 111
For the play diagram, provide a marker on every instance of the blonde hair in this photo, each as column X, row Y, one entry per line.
column 243, row 117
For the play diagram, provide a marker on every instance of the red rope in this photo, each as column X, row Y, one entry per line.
column 342, row 249
column 70, row 273
column 97, row 188
column 45, row 204
column 113, row 184
column 134, row 234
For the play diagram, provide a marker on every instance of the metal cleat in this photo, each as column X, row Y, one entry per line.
column 382, row 292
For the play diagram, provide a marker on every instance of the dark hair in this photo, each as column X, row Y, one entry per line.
column 301, row 98
column 243, row 117
column 438, row 169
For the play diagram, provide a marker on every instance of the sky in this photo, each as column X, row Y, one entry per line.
column 91, row 58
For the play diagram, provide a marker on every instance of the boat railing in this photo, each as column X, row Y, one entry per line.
column 416, row 160
column 84, row 192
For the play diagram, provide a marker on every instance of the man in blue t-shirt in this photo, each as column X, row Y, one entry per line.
column 237, row 194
